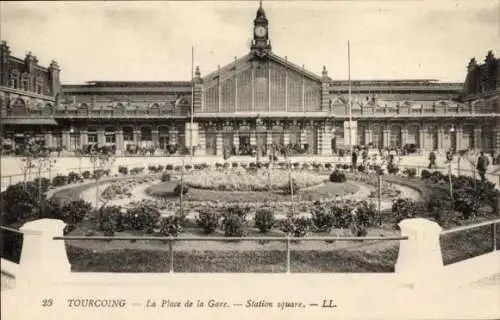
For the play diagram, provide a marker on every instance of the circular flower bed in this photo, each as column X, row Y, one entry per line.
column 239, row 179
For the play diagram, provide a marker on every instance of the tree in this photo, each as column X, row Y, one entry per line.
column 470, row 156
column 102, row 159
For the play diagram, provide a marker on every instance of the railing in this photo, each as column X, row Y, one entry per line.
column 287, row 240
column 493, row 225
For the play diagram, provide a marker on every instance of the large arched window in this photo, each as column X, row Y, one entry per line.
column 361, row 136
column 467, row 137
column 128, row 134
column 395, row 138
column 413, row 136
column 432, row 138
column 378, row 136
column 146, row 134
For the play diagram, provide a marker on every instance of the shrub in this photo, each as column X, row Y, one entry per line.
column 43, row 182
column 235, row 164
column 169, row 167
column 226, row 165
column 287, row 189
column 345, row 166
column 322, row 219
column 72, row 212
column 297, row 226
column 110, row 219
column 466, row 202
column 165, row 177
column 86, row 174
column 171, row 225
column 123, row 170
column 142, row 216
column 410, row 172
column 160, row 168
column 392, row 168
column 178, row 188
column 152, row 168
column 188, row 167
column 328, row 165
column 218, row 165
column 233, row 226
column 296, row 165
column 239, row 210
column 59, row 180
column 74, row 177
column 405, row 209
column 337, row 176
column 361, row 168
column 264, row 219
column 425, row 174
column 178, row 168
column 208, row 220
column 338, row 166
column 316, row 165
column 305, row 166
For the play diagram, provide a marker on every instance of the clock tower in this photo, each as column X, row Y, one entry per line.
column 261, row 45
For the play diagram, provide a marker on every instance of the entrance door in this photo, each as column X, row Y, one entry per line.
column 227, row 141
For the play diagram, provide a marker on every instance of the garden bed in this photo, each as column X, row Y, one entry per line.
column 326, row 190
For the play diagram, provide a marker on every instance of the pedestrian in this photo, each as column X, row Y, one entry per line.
column 354, row 160
column 432, row 160
column 482, row 165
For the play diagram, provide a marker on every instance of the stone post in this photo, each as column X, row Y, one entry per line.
column 43, row 259
column 420, row 261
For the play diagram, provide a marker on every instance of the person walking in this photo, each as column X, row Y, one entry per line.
column 354, row 160
column 482, row 165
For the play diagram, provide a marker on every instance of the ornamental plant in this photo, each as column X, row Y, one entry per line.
column 59, row 180
column 322, row 218
column 405, row 209
column 179, row 187
column 233, row 226
column 466, row 202
column 74, row 177
column 171, row 225
column 337, row 176
column 297, row 226
column 264, row 219
column 208, row 220
column 410, row 172
column 165, row 177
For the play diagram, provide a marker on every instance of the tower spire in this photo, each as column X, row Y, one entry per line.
column 260, row 4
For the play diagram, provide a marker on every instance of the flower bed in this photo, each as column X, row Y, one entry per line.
column 239, row 179
column 122, row 189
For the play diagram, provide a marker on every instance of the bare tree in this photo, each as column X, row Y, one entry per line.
column 102, row 159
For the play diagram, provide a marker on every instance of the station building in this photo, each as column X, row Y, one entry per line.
column 258, row 100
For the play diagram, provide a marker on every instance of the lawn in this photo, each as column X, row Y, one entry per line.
column 326, row 190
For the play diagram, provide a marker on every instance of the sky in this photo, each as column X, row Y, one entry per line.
column 151, row 41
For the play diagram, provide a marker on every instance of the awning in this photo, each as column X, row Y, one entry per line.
column 29, row 121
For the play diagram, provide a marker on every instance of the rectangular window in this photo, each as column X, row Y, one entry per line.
column 92, row 138
column 110, row 138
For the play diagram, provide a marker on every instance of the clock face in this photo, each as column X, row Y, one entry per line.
column 260, row 31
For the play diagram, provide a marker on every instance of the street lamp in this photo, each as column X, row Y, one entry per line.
column 449, row 158
column 258, row 123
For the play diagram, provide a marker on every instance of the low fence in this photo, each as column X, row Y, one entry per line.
column 419, row 263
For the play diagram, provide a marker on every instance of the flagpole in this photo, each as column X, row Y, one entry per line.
column 350, row 100
column 192, row 102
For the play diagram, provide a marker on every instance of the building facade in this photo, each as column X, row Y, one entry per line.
column 255, row 102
